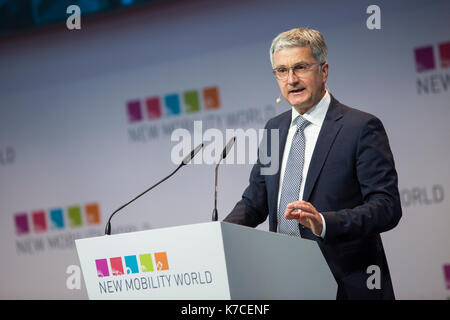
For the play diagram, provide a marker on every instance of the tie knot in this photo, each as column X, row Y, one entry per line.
column 301, row 123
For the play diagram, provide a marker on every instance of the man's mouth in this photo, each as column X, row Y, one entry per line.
column 297, row 90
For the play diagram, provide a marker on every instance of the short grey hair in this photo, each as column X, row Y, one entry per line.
column 300, row 37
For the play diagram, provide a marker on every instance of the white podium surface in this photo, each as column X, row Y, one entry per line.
column 214, row 260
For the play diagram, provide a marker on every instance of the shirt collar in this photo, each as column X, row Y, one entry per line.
column 316, row 114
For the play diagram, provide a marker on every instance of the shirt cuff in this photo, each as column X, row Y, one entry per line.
column 322, row 235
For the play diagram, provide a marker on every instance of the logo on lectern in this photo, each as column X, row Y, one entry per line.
column 136, row 273
column 131, row 264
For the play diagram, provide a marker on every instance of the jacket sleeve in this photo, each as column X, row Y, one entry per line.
column 381, row 209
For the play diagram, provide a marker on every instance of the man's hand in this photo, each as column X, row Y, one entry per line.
column 305, row 214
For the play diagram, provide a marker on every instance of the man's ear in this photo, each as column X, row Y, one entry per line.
column 324, row 70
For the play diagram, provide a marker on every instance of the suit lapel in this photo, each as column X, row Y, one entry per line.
column 327, row 135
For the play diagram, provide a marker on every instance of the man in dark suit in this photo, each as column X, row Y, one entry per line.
column 337, row 183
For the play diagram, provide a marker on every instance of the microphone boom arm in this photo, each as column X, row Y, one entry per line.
column 222, row 156
column 108, row 225
column 215, row 214
column 185, row 161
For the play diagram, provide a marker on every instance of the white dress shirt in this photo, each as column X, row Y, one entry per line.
column 315, row 116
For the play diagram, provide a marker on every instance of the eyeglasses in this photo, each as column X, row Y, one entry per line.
column 299, row 69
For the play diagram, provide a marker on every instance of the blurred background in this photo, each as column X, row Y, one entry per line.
column 86, row 118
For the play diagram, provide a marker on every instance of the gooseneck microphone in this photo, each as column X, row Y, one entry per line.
column 184, row 162
column 222, row 156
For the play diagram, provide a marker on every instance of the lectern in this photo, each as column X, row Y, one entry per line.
column 214, row 260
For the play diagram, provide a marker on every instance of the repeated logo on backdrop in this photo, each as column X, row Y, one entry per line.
column 147, row 263
column 446, row 268
column 173, row 104
column 7, row 156
column 157, row 116
column 425, row 57
column 38, row 221
column 433, row 80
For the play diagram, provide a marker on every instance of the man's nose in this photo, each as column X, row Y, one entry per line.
column 292, row 78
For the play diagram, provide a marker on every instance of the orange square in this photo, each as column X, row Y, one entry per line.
column 161, row 261
column 92, row 213
column 211, row 98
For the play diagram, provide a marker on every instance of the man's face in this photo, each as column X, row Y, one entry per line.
column 305, row 91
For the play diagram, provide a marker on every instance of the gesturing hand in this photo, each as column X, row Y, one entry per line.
column 305, row 214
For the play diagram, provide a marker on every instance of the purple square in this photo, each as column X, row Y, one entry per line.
column 102, row 268
column 424, row 58
column 134, row 111
column 21, row 220
column 447, row 275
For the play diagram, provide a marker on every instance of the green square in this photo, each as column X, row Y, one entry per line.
column 146, row 262
column 191, row 101
column 74, row 215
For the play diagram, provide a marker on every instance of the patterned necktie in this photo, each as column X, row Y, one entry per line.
column 292, row 178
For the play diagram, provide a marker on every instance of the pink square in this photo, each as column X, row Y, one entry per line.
column 153, row 108
column 444, row 54
column 39, row 221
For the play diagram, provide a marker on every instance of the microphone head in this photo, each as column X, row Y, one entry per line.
column 192, row 154
column 108, row 228
column 278, row 100
column 228, row 147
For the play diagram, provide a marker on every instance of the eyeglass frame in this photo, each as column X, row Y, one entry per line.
column 307, row 67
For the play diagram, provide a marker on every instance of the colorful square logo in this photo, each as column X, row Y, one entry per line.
column 21, row 222
column 102, row 268
column 116, row 266
column 134, row 111
column 74, row 216
column 172, row 102
column 153, row 108
column 444, row 54
column 146, row 262
column 161, row 261
column 191, row 101
column 56, row 218
column 131, row 265
column 447, row 275
column 211, row 98
column 424, row 58
column 92, row 211
column 39, row 221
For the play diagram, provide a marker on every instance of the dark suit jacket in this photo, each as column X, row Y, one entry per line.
column 352, row 182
